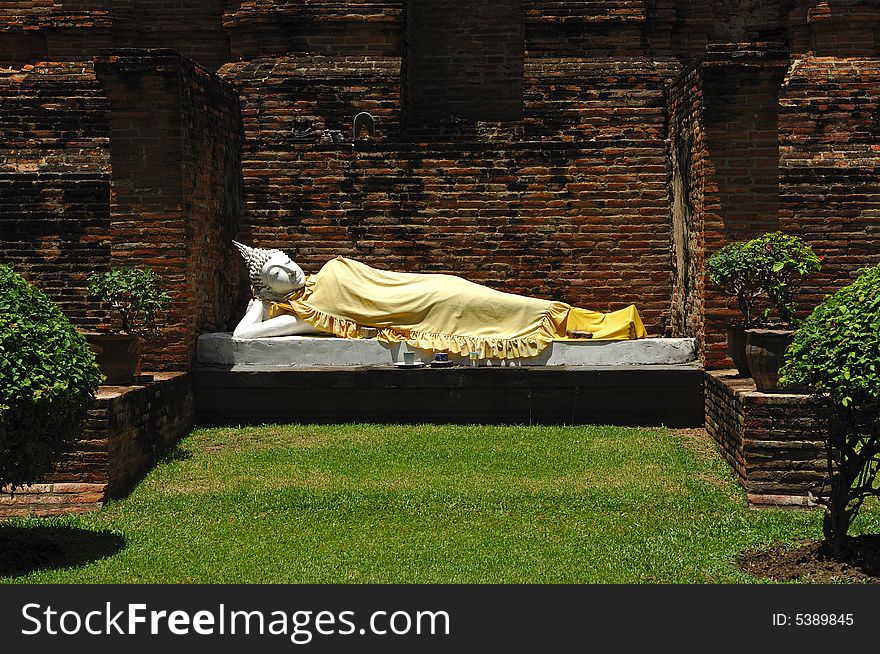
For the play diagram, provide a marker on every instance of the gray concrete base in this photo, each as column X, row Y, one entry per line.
column 325, row 379
column 328, row 352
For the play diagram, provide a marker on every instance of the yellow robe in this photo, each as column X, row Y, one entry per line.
column 444, row 312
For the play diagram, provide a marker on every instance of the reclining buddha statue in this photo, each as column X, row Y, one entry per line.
column 431, row 311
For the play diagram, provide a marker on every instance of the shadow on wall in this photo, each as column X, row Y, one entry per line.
column 27, row 549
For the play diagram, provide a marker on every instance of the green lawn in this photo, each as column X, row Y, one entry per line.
column 426, row 504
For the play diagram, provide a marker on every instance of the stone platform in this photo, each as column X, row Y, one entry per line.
column 314, row 379
column 330, row 352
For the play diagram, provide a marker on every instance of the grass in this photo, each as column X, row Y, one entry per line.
column 425, row 504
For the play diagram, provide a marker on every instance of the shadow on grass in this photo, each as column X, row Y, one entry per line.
column 175, row 453
column 27, row 549
column 172, row 454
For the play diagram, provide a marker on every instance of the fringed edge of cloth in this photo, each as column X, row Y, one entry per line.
column 486, row 347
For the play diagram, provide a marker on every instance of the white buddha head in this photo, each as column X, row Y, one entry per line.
column 273, row 274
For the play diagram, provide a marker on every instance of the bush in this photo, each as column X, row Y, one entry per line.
column 732, row 269
column 769, row 266
column 48, row 380
column 135, row 294
column 782, row 262
column 836, row 353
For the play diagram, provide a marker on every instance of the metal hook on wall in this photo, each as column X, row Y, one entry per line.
column 363, row 121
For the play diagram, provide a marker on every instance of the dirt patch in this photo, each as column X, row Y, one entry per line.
column 811, row 563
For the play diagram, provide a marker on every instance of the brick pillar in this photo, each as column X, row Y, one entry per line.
column 724, row 132
column 175, row 200
column 830, row 158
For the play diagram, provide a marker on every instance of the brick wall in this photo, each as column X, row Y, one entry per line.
column 559, row 138
column 193, row 28
column 261, row 28
column 742, row 140
column 598, row 27
column 464, row 59
column 47, row 30
column 525, row 220
column 775, row 143
column 830, row 164
column 571, row 203
column 724, row 138
column 212, row 181
column 770, row 441
column 326, row 90
column 702, row 22
column 54, row 181
column 65, row 30
column 127, row 431
column 135, row 164
column 842, row 28
column 689, row 170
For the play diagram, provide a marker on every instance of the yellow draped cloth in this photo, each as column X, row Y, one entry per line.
column 444, row 312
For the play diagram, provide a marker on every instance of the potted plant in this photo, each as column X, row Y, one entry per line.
column 732, row 269
column 134, row 296
column 782, row 263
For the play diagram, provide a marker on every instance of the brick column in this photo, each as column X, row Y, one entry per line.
column 175, row 198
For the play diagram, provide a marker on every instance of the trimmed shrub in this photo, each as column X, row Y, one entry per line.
column 836, row 353
column 783, row 262
column 48, row 380
column 769, row 267
column 134, row 294
column 733, row 270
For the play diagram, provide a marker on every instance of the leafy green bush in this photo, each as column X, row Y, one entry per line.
column 770, row 266
column 732, row 269
column 135, row 294
column 782, row 263
column 836, row 353
column 48, row 380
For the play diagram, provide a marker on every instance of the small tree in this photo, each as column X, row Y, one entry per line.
column 48, row 380
column 781, row 263
column 731, row 269
column 836, row 353
column 769, row 268
column 135, row 295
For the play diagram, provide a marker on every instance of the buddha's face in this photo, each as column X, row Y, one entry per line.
column 281, row 276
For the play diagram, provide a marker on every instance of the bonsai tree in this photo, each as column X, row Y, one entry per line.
column 732, row 269
column 135, row 295
column 48, row 380
column 781, row 264
column 836, row 353
column 768, row 267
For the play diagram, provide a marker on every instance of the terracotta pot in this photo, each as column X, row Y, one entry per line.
column 765, row 354
column 117, row 355
column 736, row 349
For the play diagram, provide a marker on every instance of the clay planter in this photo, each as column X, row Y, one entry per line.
column 736, row 349
column 117, row 355
column 765, row 354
